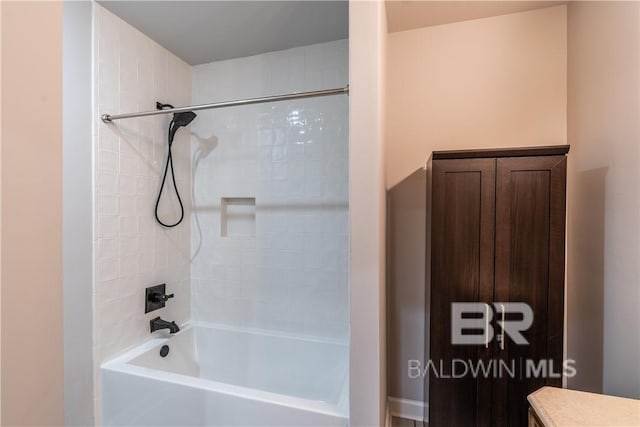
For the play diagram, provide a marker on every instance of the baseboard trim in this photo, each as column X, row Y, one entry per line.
column 387, row 416
column 405, row 408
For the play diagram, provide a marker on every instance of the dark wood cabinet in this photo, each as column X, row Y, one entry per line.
column 495, row 235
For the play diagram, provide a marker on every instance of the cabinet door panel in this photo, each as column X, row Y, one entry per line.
column 462, row 247
column 530, row 225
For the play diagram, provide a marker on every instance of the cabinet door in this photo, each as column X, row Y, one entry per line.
column 530, row 230
column 462, row 263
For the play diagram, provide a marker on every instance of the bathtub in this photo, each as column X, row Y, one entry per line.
column 224, row 376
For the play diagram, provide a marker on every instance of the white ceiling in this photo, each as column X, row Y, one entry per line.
column 407, row 15
column 207, row 31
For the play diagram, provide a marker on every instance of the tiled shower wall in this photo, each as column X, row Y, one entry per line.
column 132, row 252
column 270, row 216
column 276, row 256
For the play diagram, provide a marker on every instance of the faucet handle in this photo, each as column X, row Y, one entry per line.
column 155, row 297
column 160, row 297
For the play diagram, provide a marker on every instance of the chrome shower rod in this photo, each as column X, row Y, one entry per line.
column 108, row 118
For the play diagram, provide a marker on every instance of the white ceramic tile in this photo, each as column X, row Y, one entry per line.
column 108, row 225
column 108, row 268
column 108, row 248
column 107, row 161
column 107, row 183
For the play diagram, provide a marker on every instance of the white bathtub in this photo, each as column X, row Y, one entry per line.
column 222, row 376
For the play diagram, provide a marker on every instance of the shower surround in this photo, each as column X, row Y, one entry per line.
column 270, row 205
column 264, row 244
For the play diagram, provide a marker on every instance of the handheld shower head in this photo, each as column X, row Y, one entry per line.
column 183, row 119
column 179, row 120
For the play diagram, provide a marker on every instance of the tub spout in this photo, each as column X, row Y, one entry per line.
column 157, row 324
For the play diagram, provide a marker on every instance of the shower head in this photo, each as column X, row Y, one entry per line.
column 183, row 119
column 179, row 120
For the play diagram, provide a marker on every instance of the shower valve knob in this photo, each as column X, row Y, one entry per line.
column 161, row 297
column 155, row 297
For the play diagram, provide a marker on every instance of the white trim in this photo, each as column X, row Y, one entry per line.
column 387, row 417
column 408, row 409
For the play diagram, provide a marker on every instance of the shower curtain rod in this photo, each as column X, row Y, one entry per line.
column 108, row 118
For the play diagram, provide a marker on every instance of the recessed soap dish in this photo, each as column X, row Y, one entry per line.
column 238, row 217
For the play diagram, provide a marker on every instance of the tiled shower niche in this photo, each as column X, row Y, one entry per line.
column 238, row 217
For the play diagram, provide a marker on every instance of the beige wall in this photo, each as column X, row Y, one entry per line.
column 31, row 217
column 406, row 252
column 509, row 81
column 367, row 28
column 603, row 290
column 491, row 82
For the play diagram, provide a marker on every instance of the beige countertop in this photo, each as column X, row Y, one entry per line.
column 557, row 407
